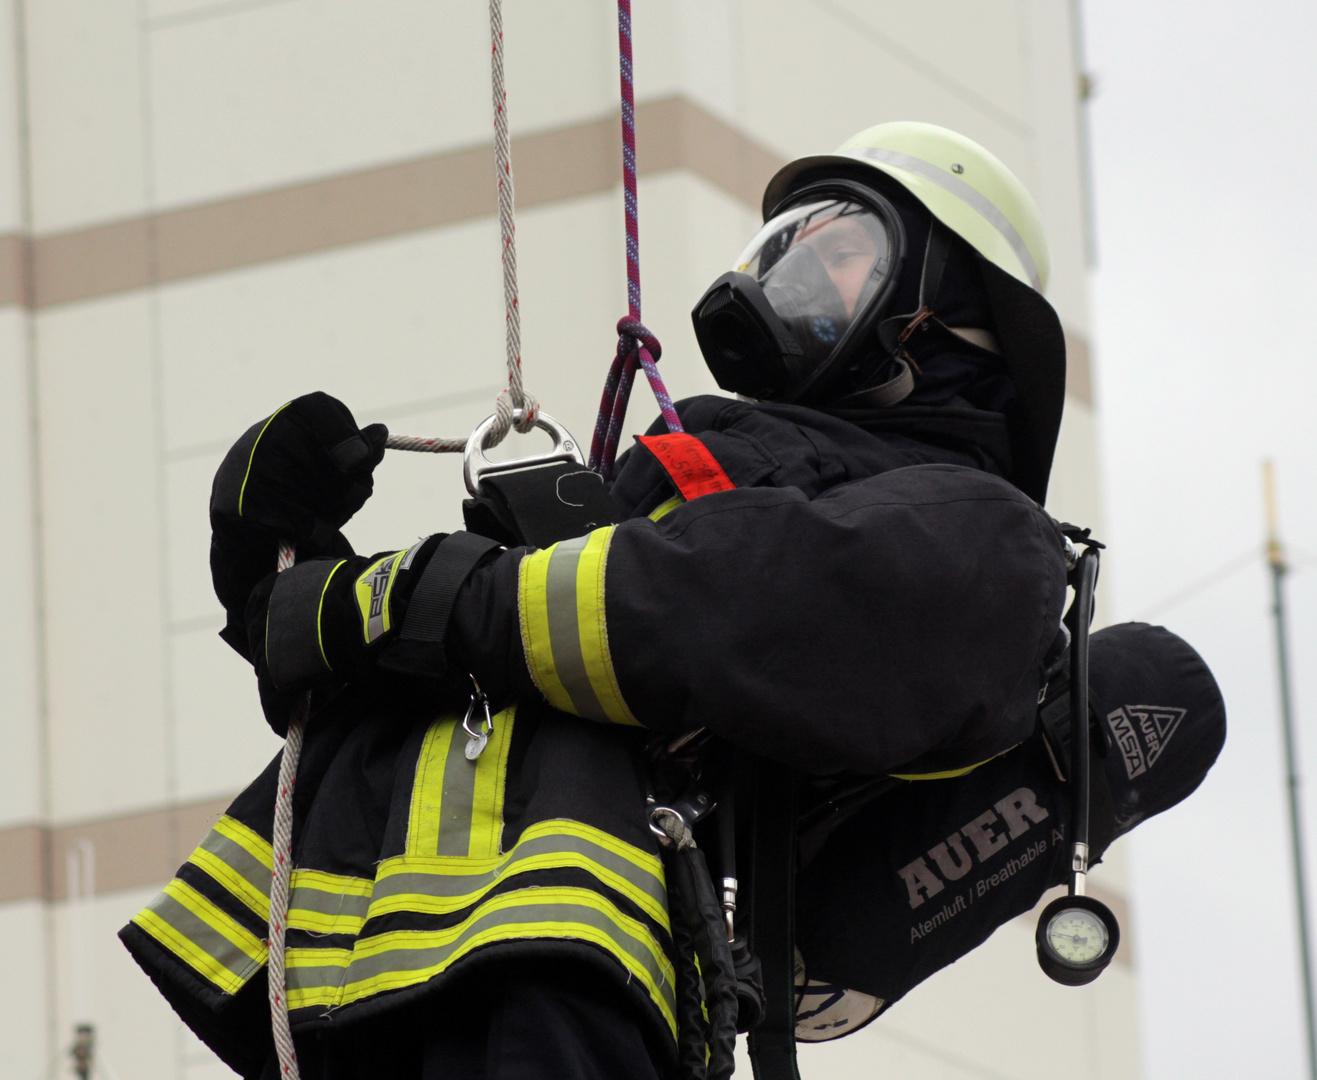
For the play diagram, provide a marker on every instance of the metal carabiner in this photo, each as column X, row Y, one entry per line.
column 677, row 815
column 477, row 740
column 475, row 465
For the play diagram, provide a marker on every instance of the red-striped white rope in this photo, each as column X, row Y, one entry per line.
column 422, row 445
column 282, row 872
column 514, row 407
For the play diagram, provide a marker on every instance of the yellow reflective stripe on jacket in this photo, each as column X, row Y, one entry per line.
column 457, row 805
column 436, row 885
column 210, row 941
column 328, row 903
column 948, row 774
column 562, row 880
column 252, row 842
column 665, row 508
column 239, row 860
column 564, row 631
column 390, row 961
column 490, row 785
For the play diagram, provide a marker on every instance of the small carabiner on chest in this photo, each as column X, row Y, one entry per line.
column 478, row 728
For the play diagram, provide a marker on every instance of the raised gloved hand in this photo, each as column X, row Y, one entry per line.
column 297, row 476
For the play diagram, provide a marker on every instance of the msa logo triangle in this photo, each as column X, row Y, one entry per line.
column 1157, row 724
column 1142, row 732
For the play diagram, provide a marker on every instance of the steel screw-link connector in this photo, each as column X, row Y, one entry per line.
column 1079, row 859
column 1071, row 553
column 729, row 906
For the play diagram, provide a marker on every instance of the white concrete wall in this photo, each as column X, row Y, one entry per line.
column 26, row 1018
column 141, row 106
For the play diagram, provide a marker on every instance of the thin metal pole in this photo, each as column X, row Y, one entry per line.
column 1279, row 568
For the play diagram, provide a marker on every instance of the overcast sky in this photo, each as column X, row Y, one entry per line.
column 1204, row 302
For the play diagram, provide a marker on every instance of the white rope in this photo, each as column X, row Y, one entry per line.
column 281, row 875
column 423, row 445
column 514, row 407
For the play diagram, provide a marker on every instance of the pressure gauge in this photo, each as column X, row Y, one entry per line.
column 1077, row 938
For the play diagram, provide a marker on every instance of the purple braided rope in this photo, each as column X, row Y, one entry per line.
column 629, row 158
column 636, row 346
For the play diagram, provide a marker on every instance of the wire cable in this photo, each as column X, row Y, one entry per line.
column 1189, row 591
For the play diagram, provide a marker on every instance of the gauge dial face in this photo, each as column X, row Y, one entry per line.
column 1077, row 936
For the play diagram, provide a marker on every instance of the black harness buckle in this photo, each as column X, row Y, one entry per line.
column 538, row 499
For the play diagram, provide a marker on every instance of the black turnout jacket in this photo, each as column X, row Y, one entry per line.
column 873, row 596
column 865, row 599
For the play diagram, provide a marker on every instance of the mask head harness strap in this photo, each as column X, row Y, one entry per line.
column 936, row 252
column 896, row 333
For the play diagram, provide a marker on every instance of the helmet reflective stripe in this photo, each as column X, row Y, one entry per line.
column 958, row 181
column 961, row 190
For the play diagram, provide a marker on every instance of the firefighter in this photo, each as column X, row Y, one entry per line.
column 871, row 587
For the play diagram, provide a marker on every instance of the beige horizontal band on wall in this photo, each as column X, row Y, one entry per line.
column 393, row 200
column 132, row 851
column 1078, row 367
column 390, row 200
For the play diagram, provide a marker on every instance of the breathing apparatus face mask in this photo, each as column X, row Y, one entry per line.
column 806, row 289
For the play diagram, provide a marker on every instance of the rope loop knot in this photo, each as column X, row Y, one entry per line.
column 675, row 833
column 509, row 414
column 633, row 335
column 637, row 347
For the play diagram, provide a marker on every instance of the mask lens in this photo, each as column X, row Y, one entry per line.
column 819, row 264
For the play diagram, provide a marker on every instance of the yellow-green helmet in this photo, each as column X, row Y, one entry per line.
column 961, row 184
column 975, row 195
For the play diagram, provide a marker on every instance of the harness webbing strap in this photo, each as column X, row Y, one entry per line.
column 432, row 599
column 772, row 917
column 688, row 463
column 419, row 649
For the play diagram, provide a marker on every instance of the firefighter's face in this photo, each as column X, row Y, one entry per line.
column 847, row 250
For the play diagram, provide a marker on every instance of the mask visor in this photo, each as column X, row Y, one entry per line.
column 819, row 264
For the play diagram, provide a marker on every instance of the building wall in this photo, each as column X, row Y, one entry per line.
column 210, row 206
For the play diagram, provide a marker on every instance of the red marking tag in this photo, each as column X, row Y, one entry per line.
column 688, row 462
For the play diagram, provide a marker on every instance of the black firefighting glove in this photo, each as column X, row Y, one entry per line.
column 296, row 476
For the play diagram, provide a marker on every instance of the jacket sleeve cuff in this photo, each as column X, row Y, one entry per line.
column 564, row 628
column 295, row 648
